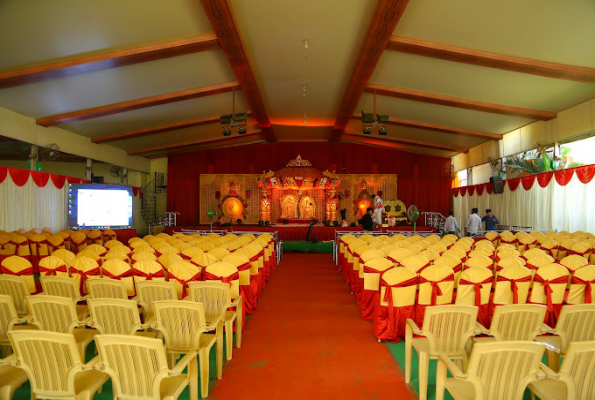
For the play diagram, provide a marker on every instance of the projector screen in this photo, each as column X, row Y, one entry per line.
column 99, row 206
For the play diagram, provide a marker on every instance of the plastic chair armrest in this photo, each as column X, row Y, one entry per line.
column 213, row 324
column 452, row 367
column 234, row 303
column 145, row 326
column 548, row 371
column 480, row 329
column 92, row 364
column 86, row 322
column 182, row 364
column 10, row 360
column 546, row 329
column 411, row 324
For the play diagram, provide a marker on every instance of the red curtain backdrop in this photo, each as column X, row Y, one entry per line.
column 422, row 180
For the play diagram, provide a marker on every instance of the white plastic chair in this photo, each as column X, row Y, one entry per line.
column 497, row 371
column 445, row 332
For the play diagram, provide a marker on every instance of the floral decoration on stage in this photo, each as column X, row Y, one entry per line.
column 298, row 174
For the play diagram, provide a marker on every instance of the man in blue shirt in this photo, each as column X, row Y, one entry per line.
column 490, row 220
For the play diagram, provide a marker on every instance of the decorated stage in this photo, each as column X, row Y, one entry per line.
column 295, row 232
column 298, row 194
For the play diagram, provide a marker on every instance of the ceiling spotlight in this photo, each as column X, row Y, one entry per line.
column 382, row 118
column 242, row 130
column 382, row 131
column 367, row 117
column 225, row 119
column 226, row 132
column 367, row 130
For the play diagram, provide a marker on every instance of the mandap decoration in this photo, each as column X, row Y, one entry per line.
column 298, row 176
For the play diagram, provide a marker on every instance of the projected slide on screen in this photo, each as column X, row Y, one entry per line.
column 99, row 206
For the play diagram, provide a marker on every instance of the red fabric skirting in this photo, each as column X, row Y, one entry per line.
column 399, row 317
column 124, row 235
column 368, row 304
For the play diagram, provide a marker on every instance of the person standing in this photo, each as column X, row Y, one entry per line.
column 490, row 220
column 378, row 208
column 367, row 222
column 451, row 225
column 473, row 223
column 342, row 207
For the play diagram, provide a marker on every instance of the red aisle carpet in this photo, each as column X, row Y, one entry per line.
column 307, row 340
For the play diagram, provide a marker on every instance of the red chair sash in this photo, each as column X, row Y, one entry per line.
column 148, row 276
column 388, row 297
column 515, row 240
column 550, row 251
column 244, row 267
column 588, row 289
column 393, row 260
column 435, row 287
column 458, row 267
column 548, row 289
column 370, row 270
column 572, row 252
column 118, row 277
column 531, row 266
column 225, row 279
column 52, row 272
column 478, row 286
column 184, row 283
column 255, row 258
column 513, row 286
column 26, row 271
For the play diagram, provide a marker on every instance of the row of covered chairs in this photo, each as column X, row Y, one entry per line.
column 421, row 272
column 184, row 325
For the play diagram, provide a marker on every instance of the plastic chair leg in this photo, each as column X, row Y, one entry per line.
column 407, row 362
column 424, row 366
column 219, row 333
column 440, row 378
column 553, row 359
column 239, row 323
column 193, row 378
column 203, row 356
column 229, row 339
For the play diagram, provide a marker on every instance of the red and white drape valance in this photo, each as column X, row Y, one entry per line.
column 41, row 179
column 584, row 174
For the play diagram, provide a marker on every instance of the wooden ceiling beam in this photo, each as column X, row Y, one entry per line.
column 177, row 146
column 385, row 140
column 137, row 104
column 158, row 129
column 449, row 101
column 108, row 60
column 253, row 140
column 491, row 60
column 439, row 128
column 384, row 21
column 220, row 15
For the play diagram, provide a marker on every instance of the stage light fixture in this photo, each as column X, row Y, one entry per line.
column 242, row 130
column 367, row 117
column 367, row 130
column 239, row 118
column 226, row 132
column 382, row 118
column 382, row 131
column 225, row 119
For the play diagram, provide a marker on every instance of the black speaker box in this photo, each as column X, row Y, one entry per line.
column 497, row 184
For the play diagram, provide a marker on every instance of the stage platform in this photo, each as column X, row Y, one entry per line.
column 294, row 231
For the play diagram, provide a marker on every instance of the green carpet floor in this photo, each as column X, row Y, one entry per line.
column 24, row 393
column 398, row 351
column 305, row 247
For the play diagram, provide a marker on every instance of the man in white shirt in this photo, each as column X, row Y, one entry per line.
column 473, row 223
column 451, row 224
column 378, row 208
